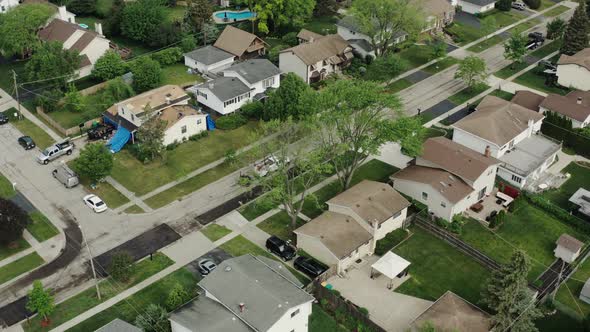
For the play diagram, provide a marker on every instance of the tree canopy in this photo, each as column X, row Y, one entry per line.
column 147, row 74
column 515, row 48
column 199, row 13
column 40, row 300
column 109, row 66
column 289, row 100
column 95, row 162
column 141, row 19
column 18, row 28
column 472, row 70
column 151, row 136
column 273, row 14
column 51, row 60
column 575, row 37
column 556, row 28
column 13, row 221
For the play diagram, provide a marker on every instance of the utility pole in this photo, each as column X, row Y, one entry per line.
column 91, row 262
column 16, row 92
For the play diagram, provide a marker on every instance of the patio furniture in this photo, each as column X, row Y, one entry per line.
column 499, row 201
column 477, row 207
column 507, row 199
column 488, row 218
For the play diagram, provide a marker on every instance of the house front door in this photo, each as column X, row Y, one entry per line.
column 482, row 193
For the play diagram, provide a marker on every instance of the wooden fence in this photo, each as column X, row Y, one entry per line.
column 73, row 131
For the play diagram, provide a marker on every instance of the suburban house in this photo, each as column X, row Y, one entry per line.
column 581, row 198
column 574, row 71
column 119, row 325
column 453, row 313
column 241, row 83
column 474, row 6
column 439, row 14
column 356, row 219
column 91, row 45
column 349, row 29
column 306, row 36
column 575, row 107
column 208, row 59
column 528, row 99
column 240, row 43
column 246, row 294
column 169, row 103
column 511, row 133
column 316, row 59
column 568, row 248
column 447, row 177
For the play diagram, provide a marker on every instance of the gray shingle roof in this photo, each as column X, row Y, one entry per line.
column 118, row 325
column 209, row 55
column 481, row 2
column 205, row 314
column 255, row 70
column 226, row 88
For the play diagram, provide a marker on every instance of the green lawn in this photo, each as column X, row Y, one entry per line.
column 437, row 267
column 323, row 25
column 6, row 190
column 90, row 20
column 215, row 232
column 87, row 299
column 502, row 94
column 279, row 224
column 28, row 128
column 568, row 293
column 466, row 94
column 111, row 196
column 175, row 14
column 559, row 322
column 136, row 47
column 580, row 178
column 463, row 33
column 40, row 227
column 256, row 208
column 415, row 55
column 15, row 247
column 176, row 74
column 134, row 209
column 542, row 52
column 547, row 49
column 484, row 45
column 535, row 79
column 529, row 229
column 441, row 65
column 127, row 310
column 321, row 321
column 556, row 11
column 94, row 107
column 142, row 178
column 20, row 266
column 398, row 85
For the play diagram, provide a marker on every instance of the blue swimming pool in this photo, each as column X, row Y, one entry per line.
column 243, row 15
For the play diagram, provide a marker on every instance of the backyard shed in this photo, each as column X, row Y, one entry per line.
column 568, row 248
column 392, row 266
column 582, row 199
column 585, row 293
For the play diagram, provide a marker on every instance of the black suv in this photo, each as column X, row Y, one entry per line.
column 3, row 118
column 309, row 266
column 100, row 132
column 26, row 142
column 280, row 248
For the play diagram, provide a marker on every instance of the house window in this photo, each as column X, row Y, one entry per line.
column 443, row 204
column 490, row 171
column 198, row 121
column 397, row 214
column 424, row 196
column 132, row 117
column 200, row 93
column 482, row 193
column 294, row 313
column 268, row 82
column 183, row 129
column 516, row 179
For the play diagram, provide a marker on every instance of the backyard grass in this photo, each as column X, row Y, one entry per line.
column 94, row 107
column 568, row 293
column 142, row 178
column 137, row 48
column 441, row 65
column 20, row 266
column 415, row 55
column 555, row 11
column 321, row 321
column 559, row 322
column 15, row 247
column 128, row 309
column 398, row 85
column 215, row 232
column 323, row 25
column 134, row 209
column 175, row 14
column 529, row 229
column 109, row 288
column 279, row 224
column 40, row 227
column 28, row 128
column 437, row 267
column 580, row 178
column 466, row 94
column 176, row 74
column 6, row 189
column 535, row 79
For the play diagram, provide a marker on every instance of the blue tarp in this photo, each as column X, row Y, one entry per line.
column 119, row 140
column 210, row 123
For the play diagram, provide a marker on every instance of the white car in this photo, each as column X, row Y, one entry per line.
column 95, row 203
column 268, row 165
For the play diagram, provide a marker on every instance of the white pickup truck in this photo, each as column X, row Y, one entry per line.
column 267, row 165
column 54, row 151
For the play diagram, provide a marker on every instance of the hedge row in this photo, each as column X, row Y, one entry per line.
column 558, row 212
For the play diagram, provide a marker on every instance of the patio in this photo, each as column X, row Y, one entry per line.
column 390, row 310
column 489, row 204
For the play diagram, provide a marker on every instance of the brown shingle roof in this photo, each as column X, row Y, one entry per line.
column 570, row 243
column 58, row 30
column 173, row 114
column 83, row 41
column 235, row 41
column 568, row 106
column 451, row 187
column 436, row 8
column 307, row 35
column 497, row 120
column 456, row 158
column 371, row 200
column 528, row 99
column 581, row 59
column 322, row 49
column 340, row 233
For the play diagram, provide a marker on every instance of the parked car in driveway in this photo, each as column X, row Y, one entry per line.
column 26, row 142
column 309, row 266
column 280, row 248
column 3, row 118
column 206, row 266
column 95, row 203
column 518, row 5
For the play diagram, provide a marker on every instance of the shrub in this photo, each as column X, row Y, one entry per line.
column 177, row 296
column 504, row 5
column 533, row 4
column 172, row 145
column 364, row 311
column 48, row 100
column 117, row 90
column 121, row 266
column 290, row 39
column 198, row 136
column 168, row 56
column 231, row 121
column 253, row 110
column 390, row 240
column 456, row 226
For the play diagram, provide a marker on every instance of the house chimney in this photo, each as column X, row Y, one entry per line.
column 242, row 307
column 579, row 100
column 62, row 12
column 211, row 85
column 487, row 152
column 310, row 40
column 98, row 28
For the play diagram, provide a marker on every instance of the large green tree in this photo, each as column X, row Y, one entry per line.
column 556, row 28
column 95, row 162
column 384, row 20
column 515, row 48
column 198, row 13
column 504, row 5
column 289, row 100
column 153, row 319
column 472, row 70
column 18, row 28
column 507, row 294
column 147, row 74
column 82, row 7
column 109, row 66
column 13, row 221
column 575, row 37
column 355, row 119
column 52, row 61
column 40, row 300
column 151, row 137
column 273, row 14
column 141, row 19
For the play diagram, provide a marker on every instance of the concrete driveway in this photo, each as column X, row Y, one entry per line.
column 390, row 310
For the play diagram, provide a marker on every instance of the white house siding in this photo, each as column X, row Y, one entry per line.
column 474, row 9
column 194, row 125
column 565, row 254
column 64, row 15
column 348, row 34
column 486, row 180
column 97, row 48
column 202, row 68
column 573, row 76
column 297, row 323
column 433, row 201
column 316, row 248
column 178, row 328
column 5, row 5
column 386, row 226
column 216, row 104
column 508, row 175
column 289, row 63
column 130, row 116
column 473, row 142
column 363, row 251
column 82, row 72
column 257, row 87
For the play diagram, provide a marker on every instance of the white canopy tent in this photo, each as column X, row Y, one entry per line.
column 391, row 266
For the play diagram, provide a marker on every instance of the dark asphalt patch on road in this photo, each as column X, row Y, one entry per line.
column 22, row 202
column 225, row 208
column 217, row 255
column 439, row 109
column 417, row 76
column 467, row 19
column 139, row 247
column 457, row 116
